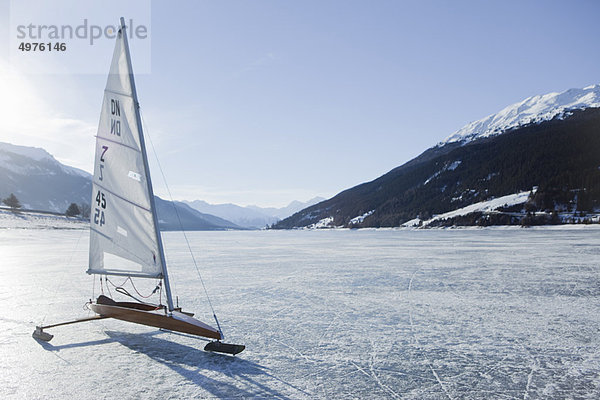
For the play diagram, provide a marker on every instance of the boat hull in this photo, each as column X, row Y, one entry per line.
column 153, row 316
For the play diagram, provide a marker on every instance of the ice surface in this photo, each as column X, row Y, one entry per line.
column 421, row 314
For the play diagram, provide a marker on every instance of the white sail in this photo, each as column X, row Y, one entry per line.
column 123, row 233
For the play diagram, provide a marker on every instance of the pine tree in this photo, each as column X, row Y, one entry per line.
column 73, row 210
column 85, row 210
column 12, row 201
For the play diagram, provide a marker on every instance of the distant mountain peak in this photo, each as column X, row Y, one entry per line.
column 534, row 109
column 486, row 182
column 251, row 216
column 39, row 180
column 35, row 153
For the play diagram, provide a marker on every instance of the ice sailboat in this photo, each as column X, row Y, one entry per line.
column 125, row 239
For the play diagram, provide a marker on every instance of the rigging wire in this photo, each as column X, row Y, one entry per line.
column 107, row 287
column 160, row 294
column 122, row 284
column 158, row 287
column 124, row 292
column 179, row 220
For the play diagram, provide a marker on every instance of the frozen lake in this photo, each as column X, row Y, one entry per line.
column 430, row 314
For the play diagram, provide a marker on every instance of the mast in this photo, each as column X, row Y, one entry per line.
column 147, row 170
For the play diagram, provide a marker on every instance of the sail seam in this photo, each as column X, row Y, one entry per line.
column 101, row 234
column 119, row 143
column 122, row 198
column 118, row 93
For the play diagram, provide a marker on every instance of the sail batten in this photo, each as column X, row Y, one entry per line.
column 124, row 236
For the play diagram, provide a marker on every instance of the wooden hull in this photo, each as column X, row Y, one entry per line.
column 152, row 316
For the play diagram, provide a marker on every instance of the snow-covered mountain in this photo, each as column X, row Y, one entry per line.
column 252, row 217
column 534, row 109
column 288, row 210
column 8, row 151
column 187, row 218
column 241, row 216
column 39, row 181
column 549, row 142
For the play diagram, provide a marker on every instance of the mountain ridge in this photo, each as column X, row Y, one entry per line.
column 39, row 180
column 474, row 167
column 252, row 217
column 534, row 109
column 42, row 183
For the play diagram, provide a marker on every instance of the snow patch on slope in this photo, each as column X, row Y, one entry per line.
column 484, row 206
column 412, row 223
column 534, row 109
column 449, row 167
column 321, row 224
column 361, row 218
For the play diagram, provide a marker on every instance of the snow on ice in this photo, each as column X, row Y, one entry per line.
column 33, row 220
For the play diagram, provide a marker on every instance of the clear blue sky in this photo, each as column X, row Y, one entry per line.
column 265, row 102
